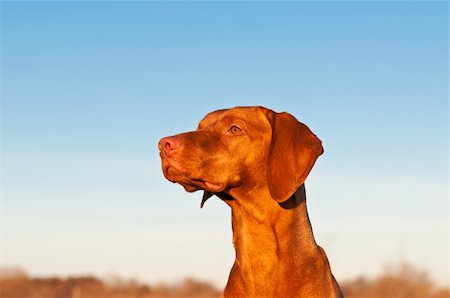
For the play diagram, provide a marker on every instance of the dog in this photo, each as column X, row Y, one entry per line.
column 256, row 161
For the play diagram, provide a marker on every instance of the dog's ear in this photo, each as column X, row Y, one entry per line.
column 292, row 154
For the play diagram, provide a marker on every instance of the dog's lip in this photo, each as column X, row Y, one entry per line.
column 175, row 174
column 211, row 186
column 216, row 187
column 170, row 163
column 173, row 168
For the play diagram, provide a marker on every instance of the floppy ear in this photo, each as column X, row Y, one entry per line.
column 292, row 153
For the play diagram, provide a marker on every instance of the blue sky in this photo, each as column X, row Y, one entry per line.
column 88, row 88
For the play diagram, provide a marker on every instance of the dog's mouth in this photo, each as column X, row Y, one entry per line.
column 176, row 174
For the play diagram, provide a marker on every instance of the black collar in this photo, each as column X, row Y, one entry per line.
column 296, row 199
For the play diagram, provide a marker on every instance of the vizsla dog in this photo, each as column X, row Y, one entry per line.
column 256, row 160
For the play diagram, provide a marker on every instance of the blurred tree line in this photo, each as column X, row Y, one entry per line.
column 402, row 281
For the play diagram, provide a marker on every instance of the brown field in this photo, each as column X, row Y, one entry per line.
column 402, row 281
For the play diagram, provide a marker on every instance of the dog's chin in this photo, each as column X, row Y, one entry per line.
column 194, row 185
column 190, row 188
column 191, row 185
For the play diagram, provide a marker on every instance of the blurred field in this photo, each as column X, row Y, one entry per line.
column 402, row 281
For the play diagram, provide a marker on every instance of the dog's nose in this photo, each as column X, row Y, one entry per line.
column 169, row 144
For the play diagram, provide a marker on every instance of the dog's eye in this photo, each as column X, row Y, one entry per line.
column 234, row 130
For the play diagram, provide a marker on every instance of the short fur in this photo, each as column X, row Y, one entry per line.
column 257, row 160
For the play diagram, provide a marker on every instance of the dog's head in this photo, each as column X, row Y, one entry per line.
column 243, row 147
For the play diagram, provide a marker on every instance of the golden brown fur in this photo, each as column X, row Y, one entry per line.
column 257, row 160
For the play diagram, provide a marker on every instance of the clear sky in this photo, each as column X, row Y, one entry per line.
column 88, row 89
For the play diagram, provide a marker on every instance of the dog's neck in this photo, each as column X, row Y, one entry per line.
column 270, row 238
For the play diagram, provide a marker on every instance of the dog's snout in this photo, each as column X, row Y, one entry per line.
column 169, row 144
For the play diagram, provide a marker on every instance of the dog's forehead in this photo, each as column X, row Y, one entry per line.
column 243, row 113
column 211, row 118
